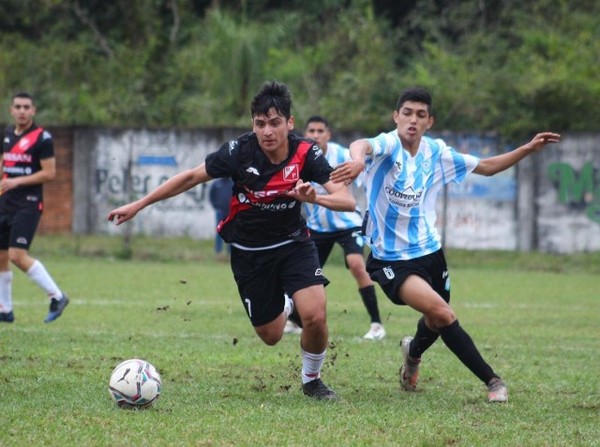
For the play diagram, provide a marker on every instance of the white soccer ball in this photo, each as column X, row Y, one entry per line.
column 135, row 384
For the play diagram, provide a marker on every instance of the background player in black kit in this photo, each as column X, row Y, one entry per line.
column 272, row 255
column 27, row 162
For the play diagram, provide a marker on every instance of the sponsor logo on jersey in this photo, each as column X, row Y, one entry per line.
column 252, row 170
column 17, row 157
column 319, row 272
column 408, row 198
column 246, row 200
column 317, row 150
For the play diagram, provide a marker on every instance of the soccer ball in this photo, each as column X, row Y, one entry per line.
column 135, row 384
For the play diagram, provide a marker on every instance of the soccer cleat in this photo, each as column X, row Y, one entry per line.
column 377, row 332
column 318, row 390
column 7, row 317
column 409, row 371
column 497, row 391
column 56, row 308
column 291, row 328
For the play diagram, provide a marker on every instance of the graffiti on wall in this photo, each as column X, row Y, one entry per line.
column 577, row 189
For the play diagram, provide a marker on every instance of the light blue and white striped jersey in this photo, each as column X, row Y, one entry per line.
column 401, row 193
column 321, row 219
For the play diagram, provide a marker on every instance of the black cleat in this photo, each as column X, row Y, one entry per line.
column 318, row 390
column 56, row 308
column 7, row 317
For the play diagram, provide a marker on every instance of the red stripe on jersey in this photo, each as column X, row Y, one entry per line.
column 22, row 146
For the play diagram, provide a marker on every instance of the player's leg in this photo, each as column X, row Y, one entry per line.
column 353, row 246
column 21, row 236
column 6, row 306
column 304, row 280
column 258, row 279
column 438, row 317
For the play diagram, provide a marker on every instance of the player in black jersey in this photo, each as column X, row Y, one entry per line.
column 272, row 255
column 27, row 162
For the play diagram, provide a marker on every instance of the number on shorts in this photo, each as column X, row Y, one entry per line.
column 248, row 306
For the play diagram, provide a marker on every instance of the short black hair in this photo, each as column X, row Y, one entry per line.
column 24, row 95
column 415, row 94
column 275, row 95
column 317, row 119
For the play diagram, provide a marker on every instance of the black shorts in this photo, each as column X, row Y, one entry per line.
column 18, row 229
column 263, row 276
column 391, row 274
column 351, row 241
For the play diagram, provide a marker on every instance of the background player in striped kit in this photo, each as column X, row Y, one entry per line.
column 404, row 172
column 27, row 163
column 328, row 227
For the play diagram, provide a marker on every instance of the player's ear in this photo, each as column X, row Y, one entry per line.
column 290, row 123
column 430, row 123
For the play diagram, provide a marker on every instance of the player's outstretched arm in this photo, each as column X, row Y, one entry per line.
column 338, row 197
column 347, row 172
column 498, row 163
column 175, row 185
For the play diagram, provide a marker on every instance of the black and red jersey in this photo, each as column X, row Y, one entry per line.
column 260, row 214
column 21, row 155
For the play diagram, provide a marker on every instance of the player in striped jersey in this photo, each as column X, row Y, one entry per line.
column 404, row 171
column 328, row 227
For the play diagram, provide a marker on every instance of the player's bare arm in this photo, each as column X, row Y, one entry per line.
column 338, row 198
column 47, row 173
column 177, row 184
column 347, row 172
column 493, row 165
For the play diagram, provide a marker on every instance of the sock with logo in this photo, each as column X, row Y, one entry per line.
column 311, row 365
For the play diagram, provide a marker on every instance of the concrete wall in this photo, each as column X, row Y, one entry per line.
column 549, row 202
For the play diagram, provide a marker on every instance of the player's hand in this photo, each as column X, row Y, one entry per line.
column 7, row 184
column 347, row 172
column 541, row 139
column 123, row 214
column 304, row 192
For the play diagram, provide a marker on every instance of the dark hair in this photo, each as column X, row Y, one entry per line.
column 415, row 94
column 317, row 119
column 22, row 95
column 275, row 95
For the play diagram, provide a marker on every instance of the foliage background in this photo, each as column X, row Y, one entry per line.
column 507, row 66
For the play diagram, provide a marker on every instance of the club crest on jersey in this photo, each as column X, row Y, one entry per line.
column 24, row 144
column 291, row 173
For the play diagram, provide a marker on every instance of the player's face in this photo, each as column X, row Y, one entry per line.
column 318, row 132
column 22, row 111
column 272, row 131
column 412, row 121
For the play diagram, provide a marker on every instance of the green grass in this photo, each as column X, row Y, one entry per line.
column 534, row 317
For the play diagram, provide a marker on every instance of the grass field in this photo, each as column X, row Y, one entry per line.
column 536, row 319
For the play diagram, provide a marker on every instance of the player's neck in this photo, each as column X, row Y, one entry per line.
column 412, row 147
column 21, row 129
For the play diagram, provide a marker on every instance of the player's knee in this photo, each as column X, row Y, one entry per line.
column 441, row 316
column 314, row 320
column 270, row 339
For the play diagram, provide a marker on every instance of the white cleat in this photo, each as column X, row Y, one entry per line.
column 377, row 332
